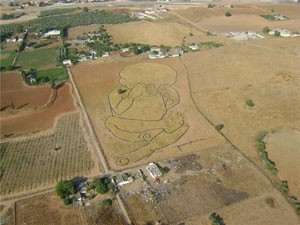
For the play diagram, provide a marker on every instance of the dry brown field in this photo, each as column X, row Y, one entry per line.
column 269, row 77
column 154, row 33
column 37, row 120
column 245, row 22
column 48, row 209
column 14, row 90
column 157, row 33
column 214, row 180
column 21, row 19
column 95, row 83
column 283, row 148
column 244, row 17
column 40, row 161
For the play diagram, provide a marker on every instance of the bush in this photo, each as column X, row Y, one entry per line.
column 66, row 201
column 261, row 135
column 285, row 187
column 228, row 14
column 219, row 127
column 277, row 33
column 107, row 202
column 249, row 103
column 266, row 30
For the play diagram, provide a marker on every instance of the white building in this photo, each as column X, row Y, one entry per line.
column 52, row 33
column 67, row 62
column 123, row 179
column 194, row 47
column 153, row 170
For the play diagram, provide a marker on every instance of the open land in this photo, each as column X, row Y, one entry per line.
column 13, row 90
column 23, row 121
column 215, row 180
column 283, row 148
column 207, row 170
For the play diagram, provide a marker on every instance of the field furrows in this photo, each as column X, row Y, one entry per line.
column 42, row 160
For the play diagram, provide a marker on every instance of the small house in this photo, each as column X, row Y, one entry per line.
column 105, row 54
column 67, row 62
column 194, row 47
column 123, row 179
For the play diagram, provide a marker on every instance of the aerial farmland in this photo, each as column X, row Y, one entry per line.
column 142, row 113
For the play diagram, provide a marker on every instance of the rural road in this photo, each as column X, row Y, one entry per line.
column 96, row 143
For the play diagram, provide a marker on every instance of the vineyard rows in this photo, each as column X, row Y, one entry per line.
column 67, row 20
column 45, row 159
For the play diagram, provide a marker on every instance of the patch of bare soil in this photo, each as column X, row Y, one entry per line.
column 16, row 96
column 33, row 121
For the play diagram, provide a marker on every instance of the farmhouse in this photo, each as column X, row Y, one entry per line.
column 175, row 52
column 123, row 179
column 154, row 171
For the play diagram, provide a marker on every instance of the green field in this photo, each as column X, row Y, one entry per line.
column 7, row 57
column 58, row 74
column 37, row 59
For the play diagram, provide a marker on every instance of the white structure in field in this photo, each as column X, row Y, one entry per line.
column 52, row 33
column 194, row 47
column 123, row 179
column 153, row 170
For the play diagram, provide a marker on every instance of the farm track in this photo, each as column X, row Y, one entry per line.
column 97, row 144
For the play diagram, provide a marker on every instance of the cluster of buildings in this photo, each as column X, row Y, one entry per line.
column 283, row 33
column 244, row 35
column 150, row 13
column 159, row 53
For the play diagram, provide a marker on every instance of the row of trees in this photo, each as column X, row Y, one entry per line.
column 52, row 12
column 68, row 20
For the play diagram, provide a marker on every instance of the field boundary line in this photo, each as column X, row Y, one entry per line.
column 94, row 139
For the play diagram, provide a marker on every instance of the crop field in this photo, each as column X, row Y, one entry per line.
column 214, row 180
column 58, row 74
column 40, row 58
column 100, row 90
column 59, row 154
column 7, row 57
column 23, row 121
column 14, row 91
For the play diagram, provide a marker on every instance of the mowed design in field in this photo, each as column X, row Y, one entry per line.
column 99, row 82
column 43, row 160
column 35, row 120
column 153, row 33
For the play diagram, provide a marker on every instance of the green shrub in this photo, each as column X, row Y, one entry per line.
column 121, row 91
column 64, row 189
column 219, row 127
column 228, row 14
column 66, row 201
column 266, row 30
column 261, row 135
column 249, row 103
column 107, row 202
column 285, row 187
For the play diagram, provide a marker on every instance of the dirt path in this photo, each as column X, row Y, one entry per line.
column 97, row 144
column 190, row 22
